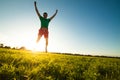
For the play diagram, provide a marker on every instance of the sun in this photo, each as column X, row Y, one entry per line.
column 32, row 45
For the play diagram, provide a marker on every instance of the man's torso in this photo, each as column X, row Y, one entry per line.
column 44, row 22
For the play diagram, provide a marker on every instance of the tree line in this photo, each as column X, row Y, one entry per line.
column 9, row 47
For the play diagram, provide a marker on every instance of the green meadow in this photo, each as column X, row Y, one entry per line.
column 28, row 65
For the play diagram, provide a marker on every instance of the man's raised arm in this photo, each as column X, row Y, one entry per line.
column 36, row 9
column 54, row 15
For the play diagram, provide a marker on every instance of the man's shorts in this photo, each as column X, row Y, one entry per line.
column 43, row 31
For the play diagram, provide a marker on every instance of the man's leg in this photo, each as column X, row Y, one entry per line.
column 46, row 44
column 40, row 32
column 38, row 38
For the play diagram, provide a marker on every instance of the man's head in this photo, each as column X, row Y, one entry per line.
column 45, row 15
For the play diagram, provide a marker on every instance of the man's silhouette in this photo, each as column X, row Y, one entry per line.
column 44, row 25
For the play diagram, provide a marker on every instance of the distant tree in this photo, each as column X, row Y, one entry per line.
column 7, row 47
column 22, row 48
column 13, row 48
column 1, row 45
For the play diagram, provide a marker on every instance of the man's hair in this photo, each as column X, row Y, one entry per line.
column 45, row 13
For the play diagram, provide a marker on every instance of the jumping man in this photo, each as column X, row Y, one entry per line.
column 44, row 25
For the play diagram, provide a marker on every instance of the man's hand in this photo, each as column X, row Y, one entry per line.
column 35, row 2
column 56, row 10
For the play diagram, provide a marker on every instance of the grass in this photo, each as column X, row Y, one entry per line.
column 27, row 65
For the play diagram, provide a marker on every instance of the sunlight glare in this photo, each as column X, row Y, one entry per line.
column 36, row 46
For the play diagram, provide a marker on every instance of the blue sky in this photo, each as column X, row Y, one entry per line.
column 81, row 26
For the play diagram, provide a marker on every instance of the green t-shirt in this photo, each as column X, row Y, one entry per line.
column 44, row 22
